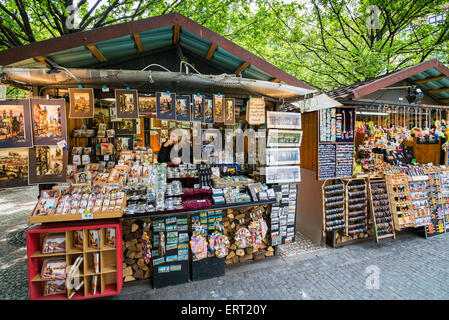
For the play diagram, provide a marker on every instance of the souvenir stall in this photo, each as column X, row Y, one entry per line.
column 377, row 162
column 99, row 119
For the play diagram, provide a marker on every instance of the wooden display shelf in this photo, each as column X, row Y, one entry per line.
column 77, row 217
column 110, row 278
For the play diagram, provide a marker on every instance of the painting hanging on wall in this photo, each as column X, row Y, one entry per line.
column 209, row 110
column 15, row 124
column 198, row 107
column 218, row 108
column 47, row 164
column 49, row 121
column 81, row 103
column 165, row 105
column 229, row 111
column 283, row 120
column 126, row 102
column 13, row 167
column 183, row 108
column 126, row 126
column 147, row 105
column 284, row 138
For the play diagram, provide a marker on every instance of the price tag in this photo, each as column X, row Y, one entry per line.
column 106, row 157
column 87, row 215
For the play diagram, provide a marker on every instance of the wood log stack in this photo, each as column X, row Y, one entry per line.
column 134, row 266
column 233, row 220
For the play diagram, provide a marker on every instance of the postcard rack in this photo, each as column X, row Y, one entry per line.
column 381, row 210
column 109, row 277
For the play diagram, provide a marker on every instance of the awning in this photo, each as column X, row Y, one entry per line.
column 151, row 81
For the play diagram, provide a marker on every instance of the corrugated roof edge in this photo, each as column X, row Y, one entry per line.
column 105, row 33
column 361, row 89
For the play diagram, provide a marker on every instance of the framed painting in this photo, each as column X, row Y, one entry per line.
column 13, row 167
column 15, row 125
column 165, row 105
column 287, row 174
column 218, row 108
column 81, row 103
column 209, row 110
column 283, row 120
column 47, row 164
column 198, row 107
column 282, row 156
column 147, row 105
column 229, row 116
column 125, row 126
column 126, row 102
column 284, row 138
column 49, row 121
column 183, row 108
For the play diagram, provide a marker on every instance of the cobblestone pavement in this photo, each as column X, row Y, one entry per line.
column 15, row 207
column 410, row 267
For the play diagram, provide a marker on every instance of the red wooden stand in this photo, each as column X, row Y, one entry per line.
column 111, row 259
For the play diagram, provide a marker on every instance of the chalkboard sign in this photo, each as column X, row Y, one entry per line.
column 326, row 161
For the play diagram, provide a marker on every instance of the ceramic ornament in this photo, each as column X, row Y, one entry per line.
column 242, row 238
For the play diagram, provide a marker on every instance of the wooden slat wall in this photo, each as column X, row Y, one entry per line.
column 425, row 153
column 309, row 144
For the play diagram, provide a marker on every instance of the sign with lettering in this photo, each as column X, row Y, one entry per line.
column 255, row 112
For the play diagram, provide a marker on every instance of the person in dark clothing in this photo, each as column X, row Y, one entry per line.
column 175, row 142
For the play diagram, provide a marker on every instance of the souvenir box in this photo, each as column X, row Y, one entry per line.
column 109, row 277
column 51, row 209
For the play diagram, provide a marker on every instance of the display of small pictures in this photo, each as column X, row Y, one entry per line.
column 183, row 108
column 287, row 174
column 198, row 108
column 229, row 115
column 283, row 215
column 283, row 120
column 125, row 126
column 54, row 243
column 15, row 124
column 209, row 110
column 49, row 121
column 284, row 138
column 81, row 103
column 166, row 105
column 13, row 167
column 47, row 164
column 218, row 108
column 326, row 161
column 147, row 105
column 126, row 102
column 282, row 156
column 344, row 160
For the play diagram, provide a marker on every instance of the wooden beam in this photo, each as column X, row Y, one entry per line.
column 138, row 41
column 242, row 67
column 438, row 90
column 41, row 59
column 431, row 79
column 176, row 32
column 444, row 100
column 275, row 80
column 92, row 48
column 210, row 53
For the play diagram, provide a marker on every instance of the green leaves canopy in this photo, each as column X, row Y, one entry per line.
column 326, row 43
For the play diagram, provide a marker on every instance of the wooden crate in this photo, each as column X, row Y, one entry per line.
column 77, row 217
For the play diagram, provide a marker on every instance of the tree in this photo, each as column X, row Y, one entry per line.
column 332, row 44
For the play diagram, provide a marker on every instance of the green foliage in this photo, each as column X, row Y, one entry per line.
column 326, row 43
